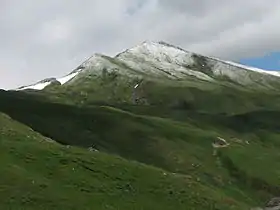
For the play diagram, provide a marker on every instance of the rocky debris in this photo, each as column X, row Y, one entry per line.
column 93, row 149
column 220, row 142
column 273, row 204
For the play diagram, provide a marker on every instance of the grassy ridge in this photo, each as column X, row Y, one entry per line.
column 38, row 173
column 192, row 94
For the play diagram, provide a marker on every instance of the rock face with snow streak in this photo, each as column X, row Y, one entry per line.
column 162, row 60
column 39, row 85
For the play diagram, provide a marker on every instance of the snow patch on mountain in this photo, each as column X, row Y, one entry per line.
column 97, row 61
column 37, row 86
column 162, row 60
column 67, row 78
column 44, row 83
column 156, row 52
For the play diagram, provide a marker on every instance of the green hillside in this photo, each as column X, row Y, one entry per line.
column 120, row 136
column 39, row 173
column 182, row 149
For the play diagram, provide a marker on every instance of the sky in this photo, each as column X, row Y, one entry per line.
column 270, row 61
column 42, row 39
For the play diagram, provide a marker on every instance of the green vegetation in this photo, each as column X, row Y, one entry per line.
column 39, row 173
column 90, row 145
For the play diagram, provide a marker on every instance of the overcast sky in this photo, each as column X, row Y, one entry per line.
column 49, row 38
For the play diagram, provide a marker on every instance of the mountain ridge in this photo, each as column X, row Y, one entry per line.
column 163, row 59
column 154, row 128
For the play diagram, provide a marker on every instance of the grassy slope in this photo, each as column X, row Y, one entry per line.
column 194, row 94
column 178, row 147
column 173, row 132
column 37, row 173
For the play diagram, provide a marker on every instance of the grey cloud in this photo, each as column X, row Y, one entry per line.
column 41, row 39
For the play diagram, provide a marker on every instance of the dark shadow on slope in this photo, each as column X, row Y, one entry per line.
column 103, row 128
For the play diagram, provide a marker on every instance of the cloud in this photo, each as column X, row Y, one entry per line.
column 42, row 39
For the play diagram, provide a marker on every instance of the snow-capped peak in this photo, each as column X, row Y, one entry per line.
column 163, row 51
column 91, row 60
column 160, row 59
column 158, row 50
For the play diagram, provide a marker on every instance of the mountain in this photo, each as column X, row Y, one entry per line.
column 160, row 59
column 155, row 127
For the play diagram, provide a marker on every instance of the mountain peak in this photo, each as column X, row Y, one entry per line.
column 89, row 61
column 159, row 50
column 160, row 43
column 163, row 60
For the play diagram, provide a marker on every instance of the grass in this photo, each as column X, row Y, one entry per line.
column 152, row 155
column 210, row 97
column 38, row 173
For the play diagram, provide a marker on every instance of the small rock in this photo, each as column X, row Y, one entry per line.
column 220, row 142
